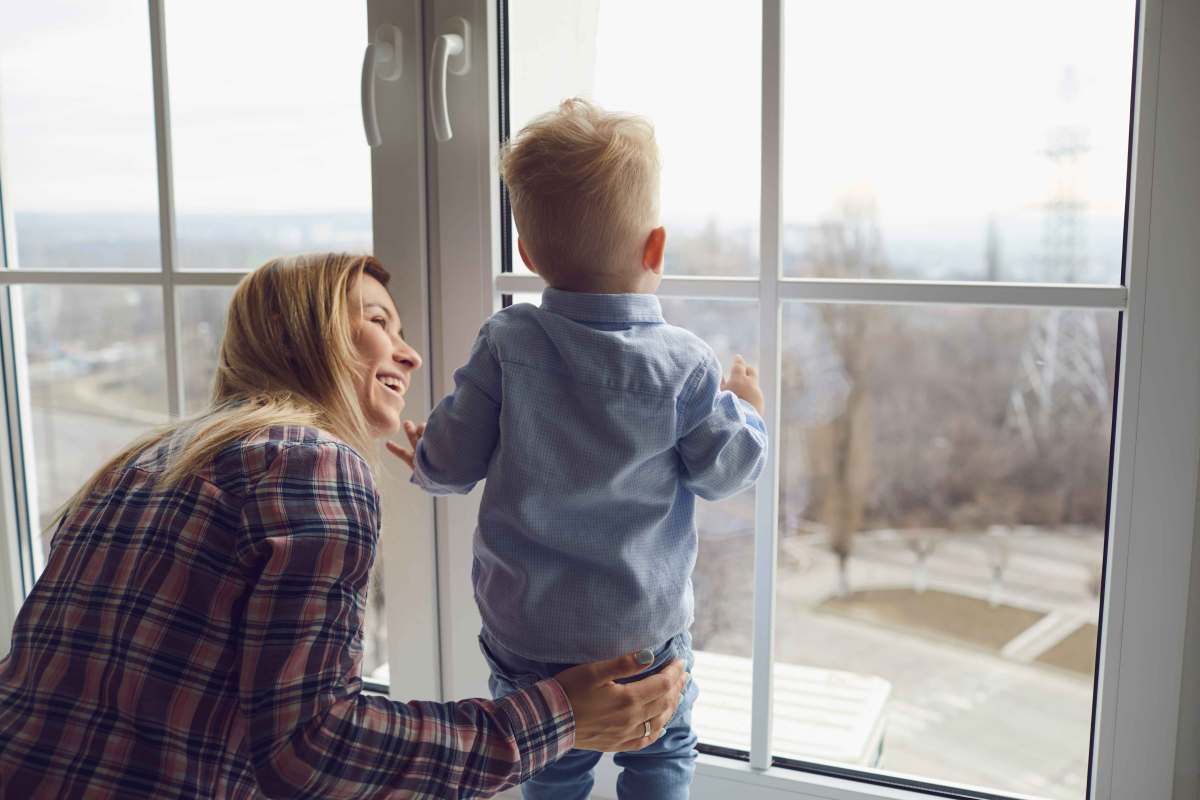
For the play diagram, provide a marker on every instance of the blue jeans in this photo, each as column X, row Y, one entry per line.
column 661, row 771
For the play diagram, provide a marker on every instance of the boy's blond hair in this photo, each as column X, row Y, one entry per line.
column 584, row 186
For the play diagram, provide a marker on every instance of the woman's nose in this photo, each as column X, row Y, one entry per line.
column 408, row 356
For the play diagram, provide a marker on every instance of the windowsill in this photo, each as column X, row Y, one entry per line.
column 721, row 778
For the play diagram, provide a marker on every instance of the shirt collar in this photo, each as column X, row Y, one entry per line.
column 589, row 307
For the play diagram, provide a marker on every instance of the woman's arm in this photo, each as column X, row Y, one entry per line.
column 310, row 528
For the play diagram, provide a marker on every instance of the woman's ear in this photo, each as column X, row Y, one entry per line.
column 653, row 250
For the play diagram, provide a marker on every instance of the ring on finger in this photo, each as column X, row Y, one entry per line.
column 646, row 729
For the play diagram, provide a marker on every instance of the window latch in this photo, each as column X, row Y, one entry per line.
column 381, row 60
column 451, row 55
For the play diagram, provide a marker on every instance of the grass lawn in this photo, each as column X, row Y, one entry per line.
column 1077, row 652
column 932, row 612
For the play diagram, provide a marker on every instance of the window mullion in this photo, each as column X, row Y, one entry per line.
column 23, row 467
column 954, row 293
column 766, row 523
column 878, row 292
column 166, row 206
column 16, row 550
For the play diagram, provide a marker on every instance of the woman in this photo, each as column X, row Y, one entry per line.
column 197, row 631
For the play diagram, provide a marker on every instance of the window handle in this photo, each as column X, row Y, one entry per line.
column 450, row 55
column 381, row 60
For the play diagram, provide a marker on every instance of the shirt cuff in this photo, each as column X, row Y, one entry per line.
column 542, row 723
column 752, row 417
column 421, row 478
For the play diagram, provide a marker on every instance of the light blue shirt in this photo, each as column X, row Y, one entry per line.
column 596, row 425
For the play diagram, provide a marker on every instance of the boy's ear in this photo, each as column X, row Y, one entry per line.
column 525, row 256
column 652, row 251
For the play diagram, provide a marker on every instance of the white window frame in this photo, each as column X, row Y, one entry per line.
column 436, row 224
column 1147, row 576
column 398, row 186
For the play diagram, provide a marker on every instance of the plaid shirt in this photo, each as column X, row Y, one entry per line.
column 206, row 641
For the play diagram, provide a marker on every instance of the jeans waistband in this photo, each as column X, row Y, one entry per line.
column 676, row 646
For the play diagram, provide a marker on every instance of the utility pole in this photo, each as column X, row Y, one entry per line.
column 1062, row 375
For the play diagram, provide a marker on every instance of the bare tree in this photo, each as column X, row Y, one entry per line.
column 922, row 542
column 847, row 246
column 998, row 549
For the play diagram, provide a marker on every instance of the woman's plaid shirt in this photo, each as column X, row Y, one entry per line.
column 206, row 641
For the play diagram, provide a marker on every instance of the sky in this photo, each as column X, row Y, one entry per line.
column 938, row 110
column 265, row 115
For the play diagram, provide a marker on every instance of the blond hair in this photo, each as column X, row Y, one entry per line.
column 584, row 187
column 287, row 358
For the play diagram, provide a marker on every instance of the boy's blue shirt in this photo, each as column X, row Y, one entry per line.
column 596, row 424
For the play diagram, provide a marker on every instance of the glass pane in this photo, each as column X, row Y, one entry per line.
column 268, row 144
column 723, row 579
column 624, row 55
column 972, row 164
column 202, row 312
column 944, row 478
column 97, row 380
column 77, row 124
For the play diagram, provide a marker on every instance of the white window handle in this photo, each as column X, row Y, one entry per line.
column 381, row 60
column 450, row 55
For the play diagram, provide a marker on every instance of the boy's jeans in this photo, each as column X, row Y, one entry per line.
column 660, row 771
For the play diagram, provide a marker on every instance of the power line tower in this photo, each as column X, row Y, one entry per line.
column 992, row 254
column 1062, row 379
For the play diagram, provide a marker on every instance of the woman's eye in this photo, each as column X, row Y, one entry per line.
column 382, row 322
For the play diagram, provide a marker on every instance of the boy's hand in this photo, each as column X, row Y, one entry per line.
column 414, row 433
column 743, row 381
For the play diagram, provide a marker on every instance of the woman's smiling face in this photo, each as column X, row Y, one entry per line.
column 386, row 361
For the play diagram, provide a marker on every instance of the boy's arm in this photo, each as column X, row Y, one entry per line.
column 456, row 446
column 723, row 441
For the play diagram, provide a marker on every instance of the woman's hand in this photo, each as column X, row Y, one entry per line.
column 414, row 433
column 610, row 716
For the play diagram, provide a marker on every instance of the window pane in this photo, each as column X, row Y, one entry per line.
column 657, row 60
column 944, row 479
column 984, row 157
column 97, row 380
column 77, row 124
column 201, row 327
column 268, row 144
column 723, row 579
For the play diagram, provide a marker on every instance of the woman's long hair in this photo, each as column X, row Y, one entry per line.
column 287, row 358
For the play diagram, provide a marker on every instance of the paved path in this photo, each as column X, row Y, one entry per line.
column 956, row 713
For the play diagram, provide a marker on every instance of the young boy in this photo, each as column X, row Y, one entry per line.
column 595, row 424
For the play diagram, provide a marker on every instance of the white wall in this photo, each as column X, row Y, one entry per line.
column 1187, row 749
column 1182, row 157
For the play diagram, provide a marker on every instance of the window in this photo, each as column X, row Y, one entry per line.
column 929, row 237
column 939, row 464
column 129, row 220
